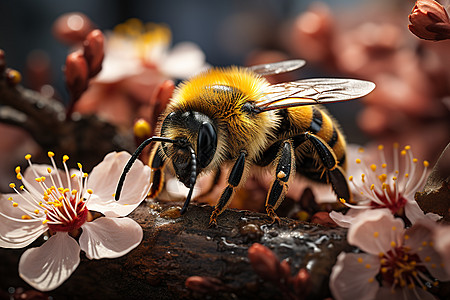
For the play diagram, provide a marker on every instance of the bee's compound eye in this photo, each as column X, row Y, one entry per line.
column 206, row 144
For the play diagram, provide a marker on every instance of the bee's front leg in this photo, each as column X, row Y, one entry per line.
column 157, row 177
column 234, row 179
column 285, row 169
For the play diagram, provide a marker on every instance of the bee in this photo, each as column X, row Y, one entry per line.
column 235, row 116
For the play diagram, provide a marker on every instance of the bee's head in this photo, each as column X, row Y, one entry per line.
column 195, row 131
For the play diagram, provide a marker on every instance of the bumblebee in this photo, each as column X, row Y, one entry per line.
column 233, row 115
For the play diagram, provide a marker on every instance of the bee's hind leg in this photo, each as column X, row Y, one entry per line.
column 285, row 169
column 335, row 173
column 234, row 179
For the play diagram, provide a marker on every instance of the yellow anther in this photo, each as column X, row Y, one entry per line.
column 46, row 197
column 384, row 186
column 44, row 222
column 12, row 185
column 380, row 255
column 424, row 243
column 60, row 189
column 79, row 165
column 22, row 187
column 415, row 160
column 431, row 244
column 406, row 237
column 382, row 177
column 367, row 266
column 384, row 270
column 371, row 280
column 403, row 152
column 433, row 266
column 17, row 170
column 380, row 147
column 396, row 145
column 394, row 228
column 74, row 192
column 376, row 234
column 406, row 175
column 361, row 150
column 26, row 217
column 383, row 166
column 408, row 147
column 358, row 161
column 28, row 156
column 142, row 128
column 372, row 187
column 85, row 175
column 394, row 178
column 362, row 177
column 49, row 170
column 73, row 175
column 360, row 260
column 66, row 190
column 15, row 204
column 90, row 191
column 43, row 178
column 50, row 154
column 436, row 283
column 14, row 76
column 426, row 163
column 36, row 211
column 19, row 177
column 393, row 244
column 39, row 179
column 65, row 158
column 373, row 167
column 350, row 178
column 10, row 198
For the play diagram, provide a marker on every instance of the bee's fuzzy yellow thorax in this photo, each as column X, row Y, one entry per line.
column 249, row 83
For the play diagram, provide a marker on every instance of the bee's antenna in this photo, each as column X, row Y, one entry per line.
column 133, row 159
column 192, row 180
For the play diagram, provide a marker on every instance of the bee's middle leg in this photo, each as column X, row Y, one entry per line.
column 157, row 176
column 234, row 179
column 285, row 169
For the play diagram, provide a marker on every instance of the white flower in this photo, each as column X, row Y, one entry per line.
column 59, row 202
column 134, row 47
column 385, row 184
column 398, row 263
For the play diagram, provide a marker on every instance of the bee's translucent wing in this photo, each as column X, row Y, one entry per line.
column 278, row 67
column 313, row 91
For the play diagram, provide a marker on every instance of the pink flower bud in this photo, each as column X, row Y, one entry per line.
column 72, row 28
column 429, row 21
column 76, row 71
column 264, row 262
column 302, row 282
column 203, row 285
column 94, row 51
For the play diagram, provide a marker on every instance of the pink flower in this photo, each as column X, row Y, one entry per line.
column 396, row 264
column 382, row 185
column 60, row 202
column 429, row 21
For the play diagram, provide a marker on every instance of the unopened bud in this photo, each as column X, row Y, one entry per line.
column 94, row 51
column 264, row 262
column 429, row 21
column 76, row 71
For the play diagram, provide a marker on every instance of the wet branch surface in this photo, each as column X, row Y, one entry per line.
column 174, row 249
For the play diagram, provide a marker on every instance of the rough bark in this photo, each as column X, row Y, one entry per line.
column 176, row 248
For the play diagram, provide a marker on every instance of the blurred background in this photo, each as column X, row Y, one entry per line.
column 346, row 38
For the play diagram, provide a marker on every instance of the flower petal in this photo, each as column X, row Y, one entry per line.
column 375, row 230
column 403, row 294
column 103, row 181
column 110, row 237
column 14, row 231
column 420, row 240
column 442, row 245
column 347, row 219
column 413, row 212
column 345, row 284
column 183, row 61
column 48, row 266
